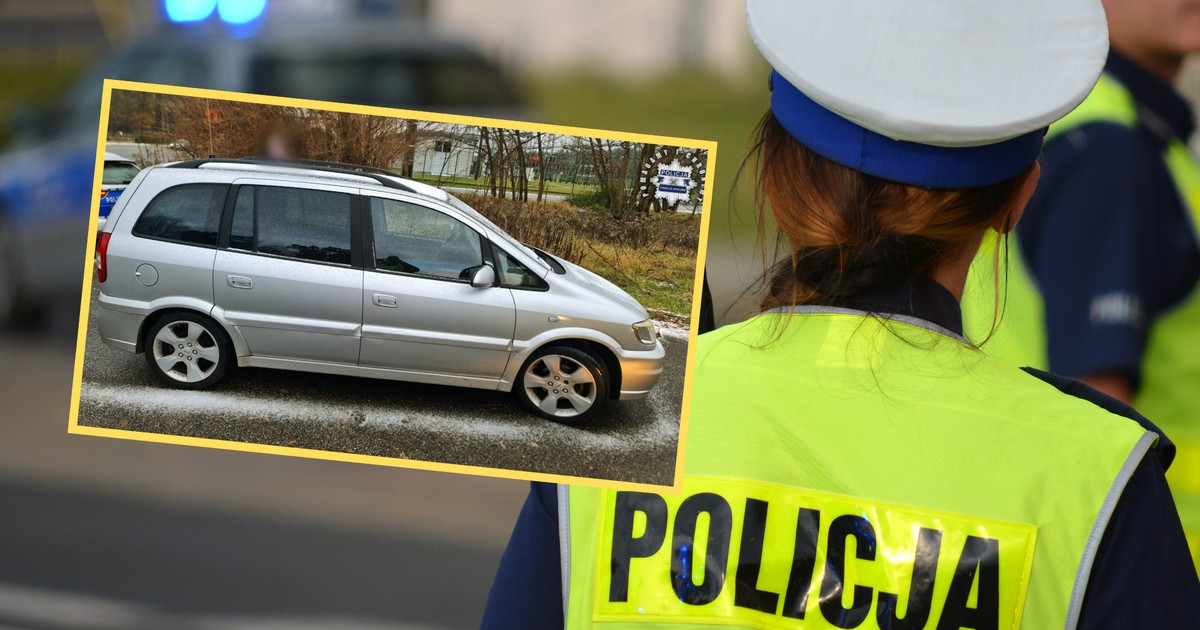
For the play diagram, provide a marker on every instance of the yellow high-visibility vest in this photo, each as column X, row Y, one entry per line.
column 841, row 471
column 1170, row 386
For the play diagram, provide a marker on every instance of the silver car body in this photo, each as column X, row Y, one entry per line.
column 295, row 314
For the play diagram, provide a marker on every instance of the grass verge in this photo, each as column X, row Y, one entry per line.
column 653, row 258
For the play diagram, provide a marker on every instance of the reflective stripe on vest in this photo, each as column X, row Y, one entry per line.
column 844, row 472
column 1170, row 385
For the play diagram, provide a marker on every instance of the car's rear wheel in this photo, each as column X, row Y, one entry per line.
column 187, row 350
column 564, row 384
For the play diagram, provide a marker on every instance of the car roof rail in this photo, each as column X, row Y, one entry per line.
column 383, row 176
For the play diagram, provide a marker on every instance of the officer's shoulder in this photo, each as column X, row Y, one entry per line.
column 735, row 330
column 1100, row 139
column 757, row 332
column 1078, row 390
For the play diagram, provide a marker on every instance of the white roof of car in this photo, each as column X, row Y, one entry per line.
column 109, row 156
column 424, row 189
column 365, row 179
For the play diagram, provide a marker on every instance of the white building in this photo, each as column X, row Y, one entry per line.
column 627, row 37
column 446, row 157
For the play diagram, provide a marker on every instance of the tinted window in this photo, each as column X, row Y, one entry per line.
column 514, row 274
column 173, row 64
column 392, row 78
column 241, row 231
column 293, row 222
column 414, row 239
column 118, row 173
column 367, row 79
column 466, row 82
column 188, row 214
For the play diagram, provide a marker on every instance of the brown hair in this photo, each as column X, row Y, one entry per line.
column 850, row 233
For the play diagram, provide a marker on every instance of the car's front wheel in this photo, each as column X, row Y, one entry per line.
column 564, row 384
column 187, row 350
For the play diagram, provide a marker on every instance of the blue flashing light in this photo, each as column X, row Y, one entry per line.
column 240, row 11
column 188, row 10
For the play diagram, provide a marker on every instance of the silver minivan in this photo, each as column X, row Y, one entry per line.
column 341, row 269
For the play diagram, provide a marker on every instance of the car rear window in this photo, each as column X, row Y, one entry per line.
column 311, row 225
column 190, row 213
column 118, row 173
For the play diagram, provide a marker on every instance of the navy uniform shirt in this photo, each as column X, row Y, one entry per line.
column 1143, row 575
column 1106, row 234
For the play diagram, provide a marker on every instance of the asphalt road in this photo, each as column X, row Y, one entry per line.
column 74, row 559
column 629, row 440
column 101, row 533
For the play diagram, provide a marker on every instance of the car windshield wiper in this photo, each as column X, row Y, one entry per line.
column 549, row 260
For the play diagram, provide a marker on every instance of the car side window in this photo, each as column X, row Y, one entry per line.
column 293, row 222
column 190, row 213
column 514, row 274
column 419, row 240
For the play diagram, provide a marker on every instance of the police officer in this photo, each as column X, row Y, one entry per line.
column 1104, row 281
column 852, row 460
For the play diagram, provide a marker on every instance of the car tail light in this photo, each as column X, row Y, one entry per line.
column 103, row 194
column 102, row 256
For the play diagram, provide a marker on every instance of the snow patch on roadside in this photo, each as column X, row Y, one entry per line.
column 153, row 402
column 672, row 329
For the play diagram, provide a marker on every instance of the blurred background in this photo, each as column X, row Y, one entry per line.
column 100, row 533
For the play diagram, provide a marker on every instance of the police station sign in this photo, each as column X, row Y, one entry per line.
column 762, row 555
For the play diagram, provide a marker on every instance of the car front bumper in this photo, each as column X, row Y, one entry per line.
column 640, row 370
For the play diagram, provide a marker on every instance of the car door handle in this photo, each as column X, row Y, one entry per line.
column 384, row 300
column 239, row 282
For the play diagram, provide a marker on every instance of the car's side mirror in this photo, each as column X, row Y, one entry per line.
column 485, row 276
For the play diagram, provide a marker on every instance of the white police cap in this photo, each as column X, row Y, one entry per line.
column 939, row 73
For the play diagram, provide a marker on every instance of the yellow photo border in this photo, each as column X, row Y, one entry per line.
column 73, row 426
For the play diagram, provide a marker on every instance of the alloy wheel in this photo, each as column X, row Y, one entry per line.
column 186, row 351
column 560, row 386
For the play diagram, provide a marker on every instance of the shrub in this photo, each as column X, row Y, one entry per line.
column 597, row 199
column 548, row 227
column 653, row 257
column 551, row 225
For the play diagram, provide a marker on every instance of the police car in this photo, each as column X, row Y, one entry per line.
column 46, row 178
column 118, row 172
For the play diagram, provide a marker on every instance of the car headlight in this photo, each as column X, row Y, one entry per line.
column 646, row 332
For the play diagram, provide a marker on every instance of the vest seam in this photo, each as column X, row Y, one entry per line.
column 1083, row 575
column 803, row 309
column 564, row 544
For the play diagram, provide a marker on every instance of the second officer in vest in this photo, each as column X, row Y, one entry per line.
column 1104, row 275
column 852, row 460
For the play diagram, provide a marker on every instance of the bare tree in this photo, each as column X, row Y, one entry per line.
column 356, row 138
column 541, row 166
column 611, row 161
column 408, row 157
column 234, row 129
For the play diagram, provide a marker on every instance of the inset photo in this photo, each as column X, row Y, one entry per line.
column 391, row 287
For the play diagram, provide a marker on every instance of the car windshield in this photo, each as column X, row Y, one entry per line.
column 512, row 242
column 119, row 173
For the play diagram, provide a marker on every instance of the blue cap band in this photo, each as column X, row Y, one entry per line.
column 928, row 166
